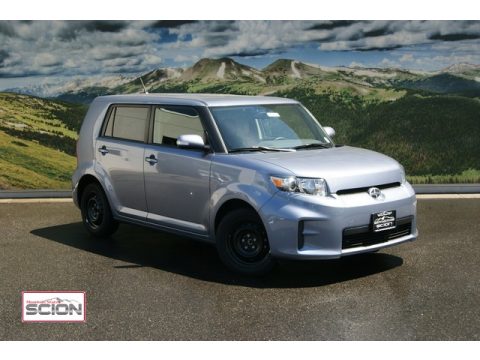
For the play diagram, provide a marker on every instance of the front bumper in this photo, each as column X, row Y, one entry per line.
column 309, row 227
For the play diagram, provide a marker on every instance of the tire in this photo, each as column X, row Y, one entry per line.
column 242, row 243
column 96, row 213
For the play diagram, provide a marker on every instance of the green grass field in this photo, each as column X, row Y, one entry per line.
column 26, row 164
column 37, row 142
column 470, row 176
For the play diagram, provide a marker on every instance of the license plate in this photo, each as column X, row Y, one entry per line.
column 384, row 220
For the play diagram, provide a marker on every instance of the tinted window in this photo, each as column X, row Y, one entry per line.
column 127, row 122
column 173, row 121
column 109, row 127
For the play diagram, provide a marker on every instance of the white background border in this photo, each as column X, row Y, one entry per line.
column 242, row 9
column 245, row 10
column 245, row 350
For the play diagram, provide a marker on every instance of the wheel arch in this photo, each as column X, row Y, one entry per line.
column 228, row 206
column 82, row 184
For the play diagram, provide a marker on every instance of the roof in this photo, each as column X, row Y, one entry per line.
column 195, row 99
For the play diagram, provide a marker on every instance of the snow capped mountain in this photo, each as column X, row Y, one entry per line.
column 75, row 85
column 465, row 70
column 224, row 69
column 160, row 75
column 461, row 68
column 282, row 72
column 293, row 69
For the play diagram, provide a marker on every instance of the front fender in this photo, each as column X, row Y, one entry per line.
column 231, row 182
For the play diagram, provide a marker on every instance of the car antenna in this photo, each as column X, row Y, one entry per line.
column 143, row 85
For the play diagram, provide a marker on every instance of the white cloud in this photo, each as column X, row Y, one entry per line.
column 86, row 48
column 45, row 59
column 180, row 58
column 388, row 63
column 458, row 46
column 356, row 64
column 77, row 48
column 406, row 58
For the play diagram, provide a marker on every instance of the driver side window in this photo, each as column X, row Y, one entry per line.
column 172, row 121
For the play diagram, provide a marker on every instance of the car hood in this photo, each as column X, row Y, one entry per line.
column 342, row 167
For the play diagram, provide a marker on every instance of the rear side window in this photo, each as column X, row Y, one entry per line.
column 127, row 122
column 173, row 121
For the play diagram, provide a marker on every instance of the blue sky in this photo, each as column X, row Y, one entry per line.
column 47, row 51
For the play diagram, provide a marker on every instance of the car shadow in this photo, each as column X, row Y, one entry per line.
column 140, row 247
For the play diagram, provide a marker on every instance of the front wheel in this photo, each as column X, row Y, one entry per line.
column 242, row 243
column 96, row 213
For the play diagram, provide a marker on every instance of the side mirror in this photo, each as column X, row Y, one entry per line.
column 329, row 130
column 191, row 141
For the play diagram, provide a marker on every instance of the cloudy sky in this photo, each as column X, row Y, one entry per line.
column 39, row 51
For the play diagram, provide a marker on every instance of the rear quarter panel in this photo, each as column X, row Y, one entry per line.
column 89, row 131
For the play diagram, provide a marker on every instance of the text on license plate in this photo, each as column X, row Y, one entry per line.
column 384, row 220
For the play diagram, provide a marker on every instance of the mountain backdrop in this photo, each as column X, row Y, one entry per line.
column 429, row 121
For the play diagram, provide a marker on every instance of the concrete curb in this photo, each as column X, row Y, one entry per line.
column 419, row 189
column 35, row 194
column 447, row 189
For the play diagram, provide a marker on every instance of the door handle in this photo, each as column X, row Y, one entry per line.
column 151, row 159
column 103, row 150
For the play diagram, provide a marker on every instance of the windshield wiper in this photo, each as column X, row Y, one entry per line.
column 312, row 146
column 258, row 148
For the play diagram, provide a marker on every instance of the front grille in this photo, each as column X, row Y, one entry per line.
column 364, row 235
column 365, row 189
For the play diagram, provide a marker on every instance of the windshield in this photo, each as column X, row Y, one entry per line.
column 285, row 126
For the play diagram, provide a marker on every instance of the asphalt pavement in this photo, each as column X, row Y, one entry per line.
column 146, row 285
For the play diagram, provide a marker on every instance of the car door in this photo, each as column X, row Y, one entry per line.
column 176, row 179
column 119, row 155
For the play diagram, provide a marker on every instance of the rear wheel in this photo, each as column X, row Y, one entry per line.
column 96, row 213
column 242, row 243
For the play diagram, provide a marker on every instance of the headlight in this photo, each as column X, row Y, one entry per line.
column 403, row 178
column 309, row 186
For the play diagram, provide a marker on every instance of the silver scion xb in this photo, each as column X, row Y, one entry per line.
column 259, row 177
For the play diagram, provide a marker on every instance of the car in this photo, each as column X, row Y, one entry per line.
column 256, row 176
